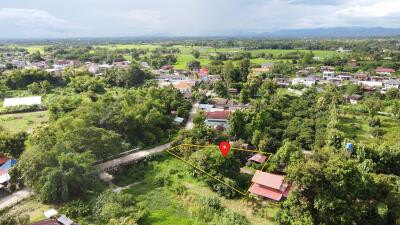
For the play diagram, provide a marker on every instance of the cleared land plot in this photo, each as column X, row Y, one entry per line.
column 155, row 192
column 23, row 121
column 356, row 127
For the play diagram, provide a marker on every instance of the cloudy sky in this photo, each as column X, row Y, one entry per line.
column 111, row 18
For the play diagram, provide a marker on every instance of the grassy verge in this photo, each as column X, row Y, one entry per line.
column 153, row 192
column 32, row 207
column 23, row 121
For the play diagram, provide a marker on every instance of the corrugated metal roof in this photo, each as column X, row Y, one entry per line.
column 260, row 158
column 6, row 166
column 266, row 192
column 33, row 100
column 268, row 179
column 219, row 115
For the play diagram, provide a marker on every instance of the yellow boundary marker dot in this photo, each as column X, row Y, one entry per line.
column 210, row 175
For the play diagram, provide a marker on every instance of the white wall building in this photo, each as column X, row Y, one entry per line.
column 33, row 100
column 327, row 75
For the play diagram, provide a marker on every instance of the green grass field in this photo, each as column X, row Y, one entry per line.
column 23, row 121
column 185, row 56
column 35, row 48
column 355, row 126
column 165, row 206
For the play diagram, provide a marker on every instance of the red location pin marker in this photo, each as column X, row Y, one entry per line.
column 224, row 147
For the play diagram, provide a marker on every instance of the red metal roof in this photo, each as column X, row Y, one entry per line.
column 266, row 192
column 46, row 222
column 385, row 70
column 218, row 115
column 203, row 72
column 260, row 158
column 287, row 190
column 268, row 179
column 3, row 159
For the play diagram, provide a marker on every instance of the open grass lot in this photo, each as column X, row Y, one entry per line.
column 185, row 55
column 128, row 46
column 23, row 121
column 34, row 48
column 183, row 59
column 356, row 127
column 32, row 207
column 165, row 206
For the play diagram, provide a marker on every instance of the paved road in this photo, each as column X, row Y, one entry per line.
column 189, row 124
column 15, row 197
column 130, row 158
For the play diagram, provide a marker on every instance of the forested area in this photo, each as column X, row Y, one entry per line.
column 94, row 117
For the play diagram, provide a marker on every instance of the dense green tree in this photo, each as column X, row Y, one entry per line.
column 20, row 78
column 132, row 77
column 373, row 106
column 12, row 144
column 244, row 96
column 288, row 154
column 396, row 110
column 193, row 65
column 196, row 54
column 221, row 89
column 327, row 183
column 85, row 83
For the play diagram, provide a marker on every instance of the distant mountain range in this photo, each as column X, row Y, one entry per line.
column 335, row 32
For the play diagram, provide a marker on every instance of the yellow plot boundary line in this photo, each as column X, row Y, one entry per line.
column 210, row 175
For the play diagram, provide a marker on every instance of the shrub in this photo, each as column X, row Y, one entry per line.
column 77, row 208
column 212, row 202
column 22, row 108
column 204, row 213
column 230, row 217
column 374, row 122
column 223, row 189
column 179, row 189
column 162, row 180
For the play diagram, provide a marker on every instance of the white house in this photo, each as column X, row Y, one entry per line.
column 344, row 77
column 307, row 81
column 327, row 75
column 33, row 100
column 376, row 84
column 354, row 98
column 391, row 84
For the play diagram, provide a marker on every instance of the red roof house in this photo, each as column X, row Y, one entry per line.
column 268, row 185
column 167, row 67
column 218, row 115
column 46, row 222
column 203, row 72
column 218, row 119
column 384, row 71
column 258, row 158
column 3, row 159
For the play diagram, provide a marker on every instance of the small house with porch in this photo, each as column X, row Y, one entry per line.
column 269, row 186
column 217, row 118
column 384, row 71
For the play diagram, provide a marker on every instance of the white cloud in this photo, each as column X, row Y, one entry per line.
column 28, row 21
column 183, row 17
column 380, row 9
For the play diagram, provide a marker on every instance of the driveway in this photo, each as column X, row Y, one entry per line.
column 189, row 124
column 15, row 197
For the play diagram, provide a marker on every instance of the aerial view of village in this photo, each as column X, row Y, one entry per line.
column 227, row 112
